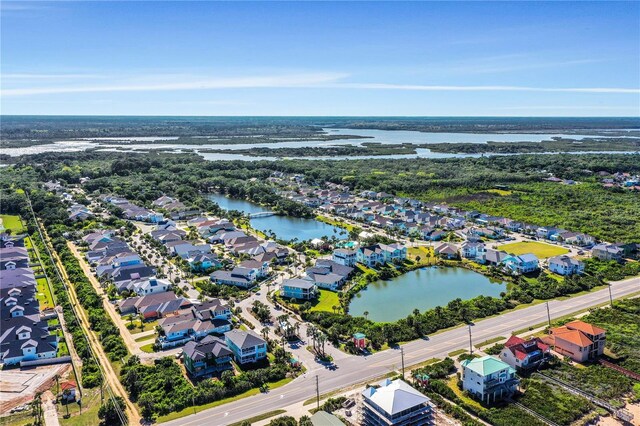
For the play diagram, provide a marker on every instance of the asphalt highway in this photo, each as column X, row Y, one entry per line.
column 357, row 369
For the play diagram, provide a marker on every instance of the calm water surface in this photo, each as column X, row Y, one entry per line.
column 425, row 288
column 373, row 135
column 285, row 227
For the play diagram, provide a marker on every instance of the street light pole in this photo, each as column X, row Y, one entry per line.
column 402, row 355
column 470, row 344
column 610, row 295
column 548, row 315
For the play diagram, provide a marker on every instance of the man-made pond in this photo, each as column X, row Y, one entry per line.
column 422, row 289
column 285, row 227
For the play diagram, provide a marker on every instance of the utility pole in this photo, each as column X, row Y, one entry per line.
column 470, row 344
column 402, row 355
column 317, row 393
column 610, row 296
column 548, row 315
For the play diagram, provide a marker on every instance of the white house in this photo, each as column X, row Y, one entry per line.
column 565, row 265
column 488, row 378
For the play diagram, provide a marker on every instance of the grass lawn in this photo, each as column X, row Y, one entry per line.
column 259, row 417
column 326, row 301
column 190, row 410
column 143, row 338
column 337, row 223
column 90, row 407
column 541, row 250
column 425, row 254
column 12, row 222
column 148, row 348
column 44, row 294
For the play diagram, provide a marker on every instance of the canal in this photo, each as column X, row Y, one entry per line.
column 423, row 289
column 285, row 227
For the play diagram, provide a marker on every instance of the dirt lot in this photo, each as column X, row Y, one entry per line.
column 18, row 386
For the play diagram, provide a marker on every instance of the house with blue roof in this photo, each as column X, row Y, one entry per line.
column 522, row 264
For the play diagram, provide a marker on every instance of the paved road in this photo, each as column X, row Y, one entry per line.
column 358, row 369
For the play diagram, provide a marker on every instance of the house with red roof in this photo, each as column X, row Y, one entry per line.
column 524, row 354
column 578, row 340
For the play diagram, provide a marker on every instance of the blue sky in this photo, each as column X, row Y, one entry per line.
column 306, row 58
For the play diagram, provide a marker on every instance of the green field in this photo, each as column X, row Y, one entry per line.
column 12, row 222
column 326, row 300
column 44, row 294
column 541, row 250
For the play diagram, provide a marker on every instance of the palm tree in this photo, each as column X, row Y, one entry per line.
column 365, row 314
column 265, row 333
column 312, row 332
column 334, row 308
column 322, row 339
column 297, row 328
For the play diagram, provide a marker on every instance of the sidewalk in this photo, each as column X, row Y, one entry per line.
column 49, row 409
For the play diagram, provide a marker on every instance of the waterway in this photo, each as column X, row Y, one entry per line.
column 371, row 135
column 423, row 289
column 285, row 227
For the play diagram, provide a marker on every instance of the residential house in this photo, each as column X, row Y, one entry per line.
column 395, row 403
column 525, row 354
column 522, row 264
column 328, row 274
column 370, row 256
column 240, row 277
column 488, row 378
column 300, row 289
column 578, row 340
column 207, row 357
column 346, row 257
column 247, row 346
column 565, row 265
column 447, row 250
column 607, row 252
column 154, row 305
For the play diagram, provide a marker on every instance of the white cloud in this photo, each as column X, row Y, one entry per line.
column 419, row 87
column 319, row 80
column 283, row 81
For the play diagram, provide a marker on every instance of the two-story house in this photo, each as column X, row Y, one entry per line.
column 297, row 288
column 346, row 257
column 488, row 378
column 524, row 354
column 207, row 357
column 578, row 340
column 247, row 346
column 522, row 264
column 565, row 265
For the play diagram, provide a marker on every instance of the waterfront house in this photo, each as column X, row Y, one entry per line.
column 344, row 257
column 488, row 378
column 447, row 250
column 247, row 346
column 522, row 264
column 297, row 288
column 207, row 357
column 395, row 403
column 565, row 265
column 328, row 274
column 578, row 340
column 524, row 354
column 370, row 256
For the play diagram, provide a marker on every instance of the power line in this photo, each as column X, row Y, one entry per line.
column 119, row 412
